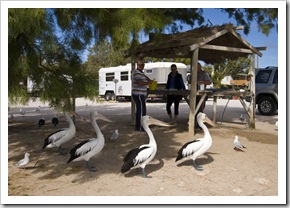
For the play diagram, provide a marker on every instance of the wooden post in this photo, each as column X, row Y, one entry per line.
column 253, row 100
column 194, row 61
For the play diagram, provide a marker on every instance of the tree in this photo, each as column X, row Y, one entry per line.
column 46, row 44
column 230, row 67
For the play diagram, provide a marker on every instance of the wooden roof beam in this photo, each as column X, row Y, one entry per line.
column 228, row 49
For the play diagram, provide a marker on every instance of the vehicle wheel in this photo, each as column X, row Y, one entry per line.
column 113, row 97
column 267, row 106
column 108, row 96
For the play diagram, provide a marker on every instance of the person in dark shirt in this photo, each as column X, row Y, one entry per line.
column 174, row 82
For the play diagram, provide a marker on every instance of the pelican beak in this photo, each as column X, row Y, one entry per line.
column 73, row 113
column 104, row 118
column 210, row 122
column 158, row 122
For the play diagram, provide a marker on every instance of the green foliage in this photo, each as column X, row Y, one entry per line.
column 45, row 44
column 230, row 67
column 266, row 18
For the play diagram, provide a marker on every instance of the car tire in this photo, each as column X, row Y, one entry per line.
column 108, row 96
column 267, row 106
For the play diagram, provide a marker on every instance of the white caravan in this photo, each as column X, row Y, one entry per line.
column 116, row 82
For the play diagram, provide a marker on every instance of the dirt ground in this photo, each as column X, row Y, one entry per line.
column 226, row 172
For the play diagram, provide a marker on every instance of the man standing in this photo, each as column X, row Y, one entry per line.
column 174, row 82
column 139, row 92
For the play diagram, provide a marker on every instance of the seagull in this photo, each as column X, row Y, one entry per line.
column 89, row 148
column 142, row 155
column 41, row 122
column 54, row 121
column 38, row 109
column 22, row 163
column 276, row 124
column 22, row 112
column 242, row 119
column 114, row 135
column 62, row 136
column 198, row 147
column 238, row 145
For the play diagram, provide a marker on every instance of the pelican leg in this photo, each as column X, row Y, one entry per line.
column 144, row 174
column 90, row 168
column 197, row 167
column 61, row 151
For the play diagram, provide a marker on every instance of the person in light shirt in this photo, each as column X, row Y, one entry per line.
column 139, row 92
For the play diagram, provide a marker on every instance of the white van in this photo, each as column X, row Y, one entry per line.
column 116, row 81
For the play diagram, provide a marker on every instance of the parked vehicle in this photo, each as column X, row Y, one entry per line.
column 266, row 85
column 115, row 82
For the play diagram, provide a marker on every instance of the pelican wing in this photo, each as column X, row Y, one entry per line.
column 135, row 157
column 80, row 149
column 189, row 148
column 53, row 137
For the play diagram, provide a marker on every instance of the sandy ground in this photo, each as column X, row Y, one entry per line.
column 226, row 172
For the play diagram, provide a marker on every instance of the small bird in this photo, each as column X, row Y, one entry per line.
column 54, row 121
column 242, row 119
column 38, row 109
column 197, row 147
column 22, row 163
column 41, row 122
column 90, row 147
column 114, row 135
column 22, row 112
column 238, row 145
column 142, row 155
column 276, row 124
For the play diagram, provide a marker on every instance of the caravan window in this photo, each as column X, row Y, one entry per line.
column 110, row 76
column 149, row 71
column 124, row 76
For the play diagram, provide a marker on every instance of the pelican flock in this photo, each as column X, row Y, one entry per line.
column 142, row 155
column 237, row 144
column 60, row 137
column 91, row 147
column 198, row 147
column 22, row 163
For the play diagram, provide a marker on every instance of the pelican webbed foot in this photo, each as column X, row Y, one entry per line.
column 144, row 174
column 61, row 151
column 197, row 167
column 91, row 168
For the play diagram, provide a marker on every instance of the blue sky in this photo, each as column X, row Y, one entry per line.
column 255, row 38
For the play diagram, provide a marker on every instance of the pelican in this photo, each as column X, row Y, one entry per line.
column 141, row 156
column 198, row 147
column 114, row 135
column 54, row 121
column 22, row 163
column 89, row 148
column 60, row 137
column 238, row 145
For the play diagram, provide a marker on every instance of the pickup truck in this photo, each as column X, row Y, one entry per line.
column 266, row 95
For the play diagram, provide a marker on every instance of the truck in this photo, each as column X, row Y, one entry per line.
column 266, row 95
column 116, row 82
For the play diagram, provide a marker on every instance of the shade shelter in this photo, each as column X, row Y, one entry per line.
column 214, row 44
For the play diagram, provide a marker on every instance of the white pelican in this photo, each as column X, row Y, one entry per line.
column 238, row 145
column 198, row 147
column 114, row 135
column 89, row 148
column 141, row 156
column 22, row 163
column 60, row 137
